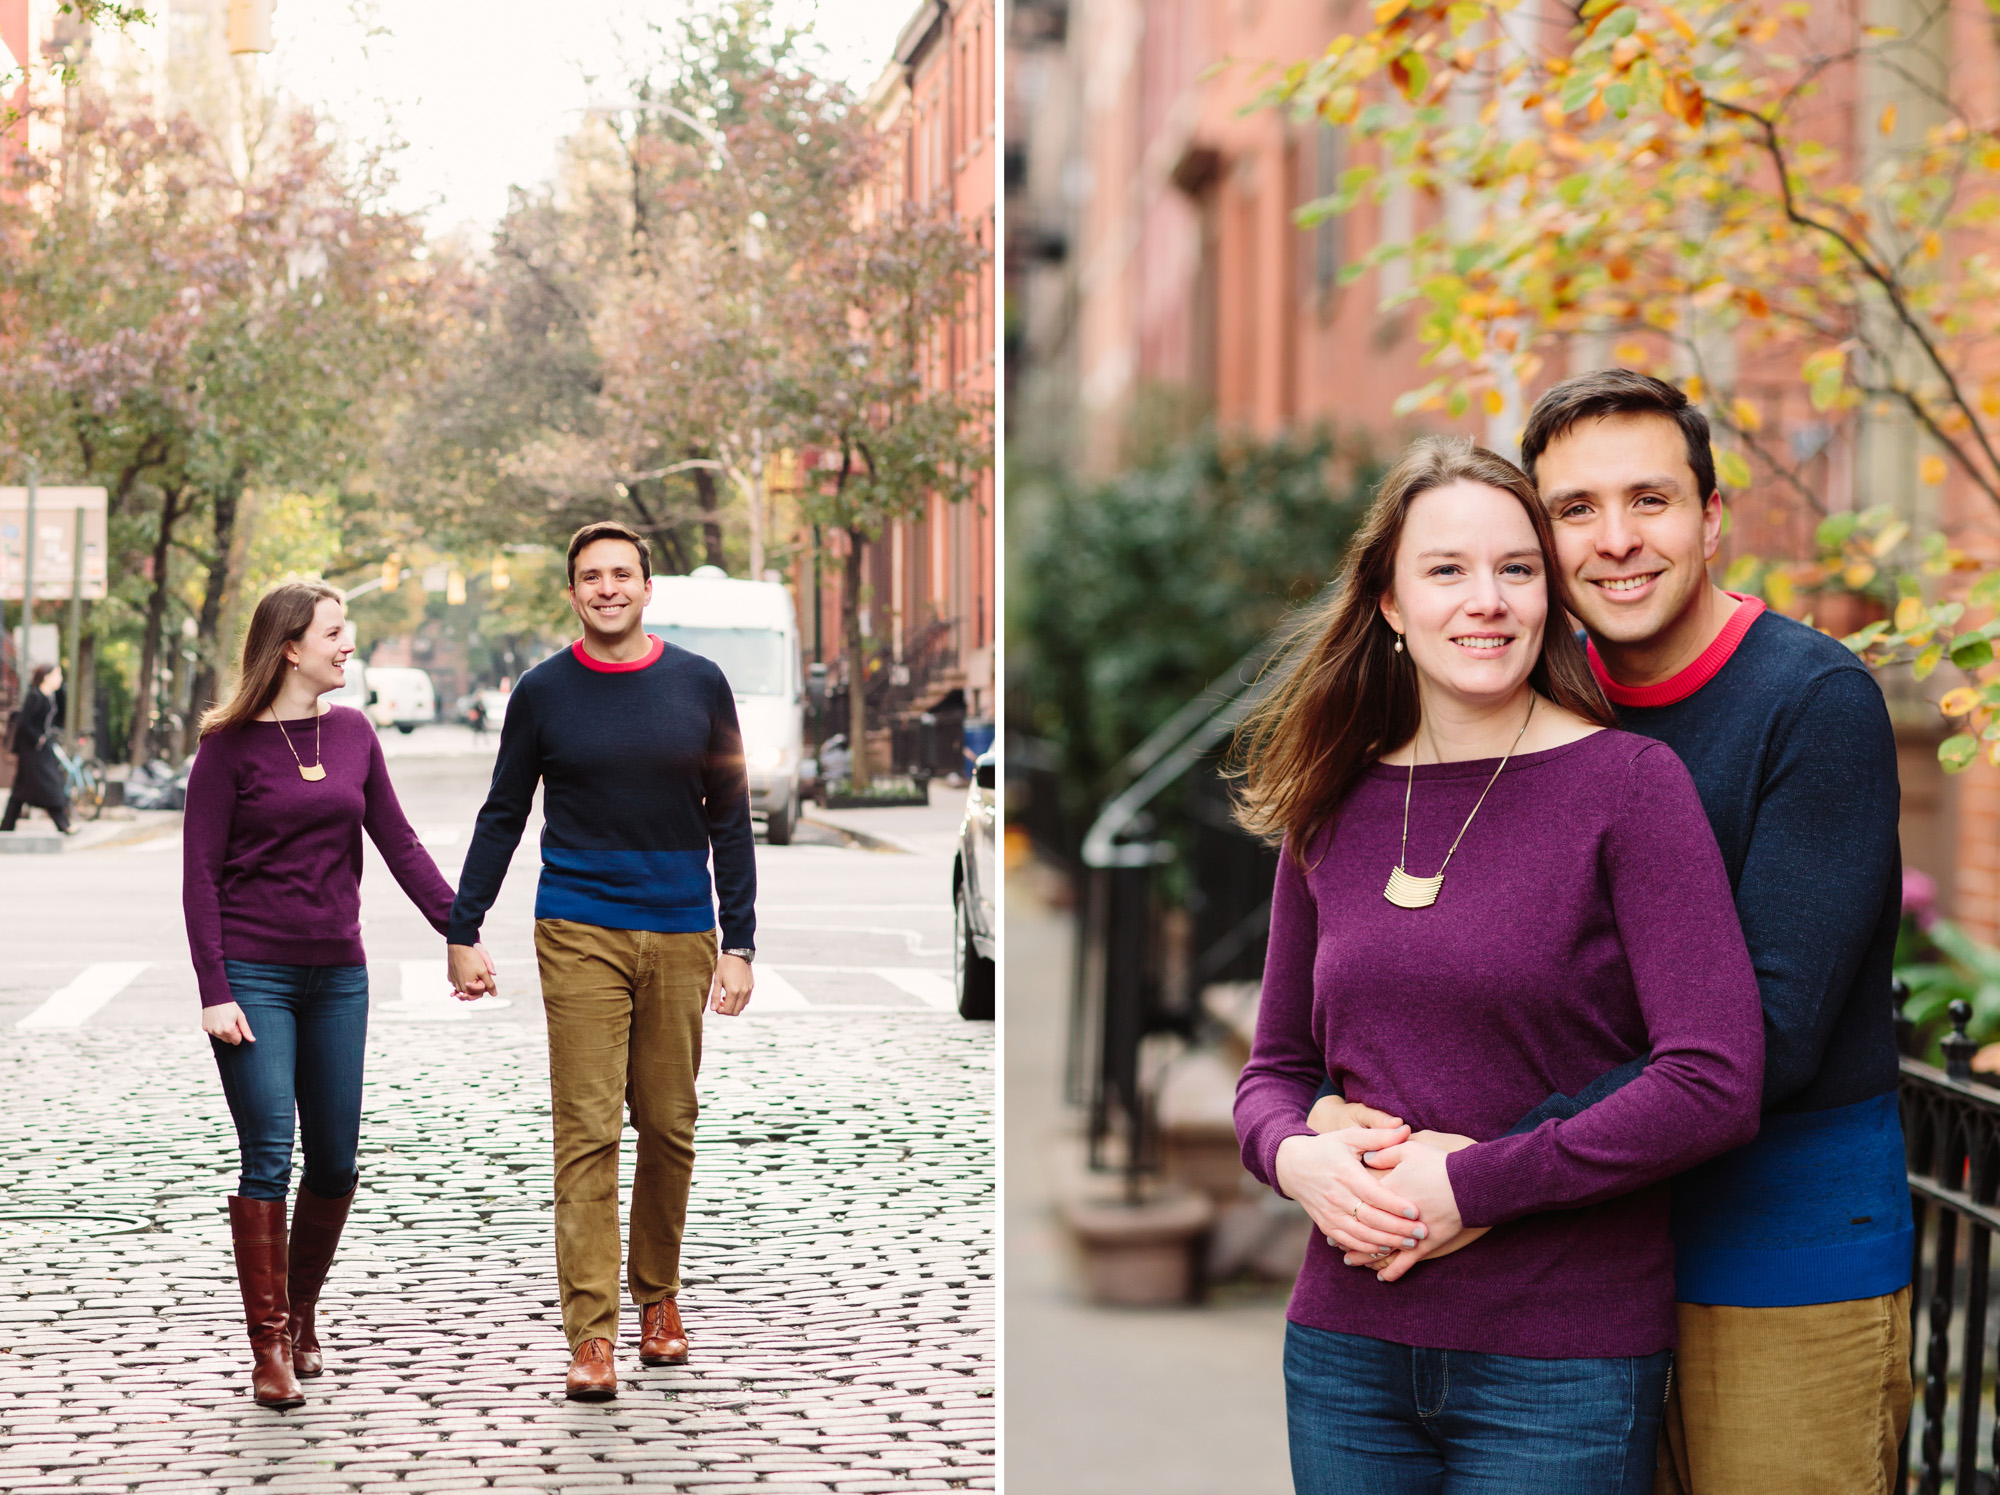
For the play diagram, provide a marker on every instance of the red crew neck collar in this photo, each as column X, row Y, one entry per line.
column 605, row 667
column 1694, row 675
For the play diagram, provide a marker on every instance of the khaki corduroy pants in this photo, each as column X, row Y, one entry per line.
column 624, row 1013
column 1788, row 1401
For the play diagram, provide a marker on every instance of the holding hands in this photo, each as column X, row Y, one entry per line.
column 473, row 974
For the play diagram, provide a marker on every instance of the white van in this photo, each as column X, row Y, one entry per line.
column 751, row 630
column 400, row 698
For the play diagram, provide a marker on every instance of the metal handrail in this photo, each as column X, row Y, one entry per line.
column 1180, row 742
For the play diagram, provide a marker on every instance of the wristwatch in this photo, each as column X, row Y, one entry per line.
column 746, row 953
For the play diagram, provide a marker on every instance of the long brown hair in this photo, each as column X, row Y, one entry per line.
column 1343, row 697
column 282, row 617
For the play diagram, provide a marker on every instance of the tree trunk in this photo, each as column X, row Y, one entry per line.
column 857, row 662
column 156, row 610
column 672, row 556
column 711, row 520
column 208, row 667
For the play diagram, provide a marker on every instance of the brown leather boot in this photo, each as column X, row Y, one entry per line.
column 316, row 1226
column 662, row 1340
column 591, row 1375
column 257, row 1227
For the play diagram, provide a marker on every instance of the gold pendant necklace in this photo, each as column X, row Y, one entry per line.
column 1405, row 889
column 318, row 770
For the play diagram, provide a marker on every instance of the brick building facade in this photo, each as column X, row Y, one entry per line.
column 931, row 581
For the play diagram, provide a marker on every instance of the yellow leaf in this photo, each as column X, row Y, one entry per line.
column 1928, row 661
column 1958, row 702
column 1932, row 470
column 1632, row 355
column 1989, row 399
column 1858, row 575
column 1909, row 613
column 1778, row 591
column 1887, row 124
column 1494, row 401
column 1746, row 414
column 1388, row 10
column 1695, row 387
column 1933, row 246
column 1892, row 535
column 1732, row 469
column 1679, row 22
column 1993, row 752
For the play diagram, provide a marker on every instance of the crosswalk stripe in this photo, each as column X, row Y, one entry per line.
column 426, row 996
column 927, row 987
column 74, row 1005
column 773, row 993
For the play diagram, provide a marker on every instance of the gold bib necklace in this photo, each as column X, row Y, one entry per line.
column 318, row 770
column 1408, row 891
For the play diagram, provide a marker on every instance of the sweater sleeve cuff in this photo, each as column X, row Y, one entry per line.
column 1276, row 1139
column 1479, row 1181
column 460, row 929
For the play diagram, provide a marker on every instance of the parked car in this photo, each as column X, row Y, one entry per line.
column 972, row 922
column 401, row 698
column 750, row 629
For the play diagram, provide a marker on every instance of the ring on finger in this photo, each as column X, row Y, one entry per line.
column 1357, row 1209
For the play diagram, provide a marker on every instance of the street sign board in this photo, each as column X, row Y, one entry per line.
column 55, row 541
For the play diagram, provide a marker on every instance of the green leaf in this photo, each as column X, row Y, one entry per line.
column 1576, row 93
column 1350, row 273
column 1928, row 661
column 1957, row 752
column 1908, row 586
column 1732, row 469
column 1742, row 574
column 1972, row 653
column 1947, row 614
column 1986, row 591
column 1621, row 22
column 1833, row 531
column 1824, row 389
column 1862, row 638
column 1464, row 17
column 1618, row 98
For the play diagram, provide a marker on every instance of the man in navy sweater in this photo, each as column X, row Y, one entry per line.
column 1793, row 1253
column 636, row 745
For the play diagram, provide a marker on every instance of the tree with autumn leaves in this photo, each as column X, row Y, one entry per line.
column 1748, row 196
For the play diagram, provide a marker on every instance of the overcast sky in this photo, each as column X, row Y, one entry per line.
column 481, row 90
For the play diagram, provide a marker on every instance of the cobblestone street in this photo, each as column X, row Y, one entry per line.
column 838, row 1264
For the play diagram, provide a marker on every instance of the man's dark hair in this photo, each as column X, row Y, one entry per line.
column 609, row 529
column 1618, row 392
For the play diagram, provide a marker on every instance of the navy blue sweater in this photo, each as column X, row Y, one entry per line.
column 1792, row 753
column 643, row 772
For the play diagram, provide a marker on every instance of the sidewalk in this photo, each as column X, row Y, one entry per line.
column 923, row 830
column 1106, row 1401
column 118, row 827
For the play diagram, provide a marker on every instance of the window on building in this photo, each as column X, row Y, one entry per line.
column 1326, row 236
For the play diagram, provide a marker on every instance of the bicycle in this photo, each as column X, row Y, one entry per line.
column 83, row 781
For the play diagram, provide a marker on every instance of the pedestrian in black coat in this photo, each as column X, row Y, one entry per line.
column 38, row 777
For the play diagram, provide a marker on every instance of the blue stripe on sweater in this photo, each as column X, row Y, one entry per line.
column 667, row 892
column 1816, row 1210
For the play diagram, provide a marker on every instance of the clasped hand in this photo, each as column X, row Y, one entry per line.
column 473, row 974
column 1375, row 1157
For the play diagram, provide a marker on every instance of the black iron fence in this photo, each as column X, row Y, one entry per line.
column 1951, row 1129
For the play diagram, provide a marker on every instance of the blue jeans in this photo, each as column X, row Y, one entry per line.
column 311, row 1024
column 1368, row 1417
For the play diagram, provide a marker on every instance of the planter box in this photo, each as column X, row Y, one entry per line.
column 1144, row 1255
column 883, row 794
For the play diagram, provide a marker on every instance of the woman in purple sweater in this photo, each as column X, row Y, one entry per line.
column 281, row 790
column 1485, row 896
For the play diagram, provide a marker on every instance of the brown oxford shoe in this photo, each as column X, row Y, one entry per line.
column 662, row 1340
column 591, row 1376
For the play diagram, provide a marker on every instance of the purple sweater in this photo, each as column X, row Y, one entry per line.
column 1585, row 921
column 271, row 864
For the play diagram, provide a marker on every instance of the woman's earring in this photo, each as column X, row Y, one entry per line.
column 1399, row 646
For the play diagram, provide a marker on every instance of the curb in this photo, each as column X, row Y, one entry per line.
column 862, row 839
